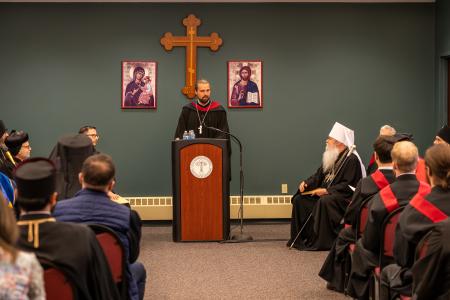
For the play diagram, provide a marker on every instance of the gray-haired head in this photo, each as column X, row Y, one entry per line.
column 387, row 130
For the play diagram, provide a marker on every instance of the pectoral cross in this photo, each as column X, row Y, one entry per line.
column 200, row 129
column 191, row 41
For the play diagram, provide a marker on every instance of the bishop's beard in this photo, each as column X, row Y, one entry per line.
column 329, row 157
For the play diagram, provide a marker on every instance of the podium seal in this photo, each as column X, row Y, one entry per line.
column 201, row 167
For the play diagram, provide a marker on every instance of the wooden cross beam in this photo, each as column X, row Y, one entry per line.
column 191, row 41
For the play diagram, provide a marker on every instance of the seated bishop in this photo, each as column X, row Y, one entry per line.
column 320, row 202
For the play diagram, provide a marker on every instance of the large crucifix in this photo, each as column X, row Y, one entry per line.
column 191, row 41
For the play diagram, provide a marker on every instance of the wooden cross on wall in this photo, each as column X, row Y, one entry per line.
column 191, row 41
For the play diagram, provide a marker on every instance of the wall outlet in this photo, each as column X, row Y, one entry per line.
column 284, row 188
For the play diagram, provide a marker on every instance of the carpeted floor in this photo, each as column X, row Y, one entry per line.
column 264, row 269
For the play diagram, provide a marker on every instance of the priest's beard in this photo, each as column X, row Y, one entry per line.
column 329, row 157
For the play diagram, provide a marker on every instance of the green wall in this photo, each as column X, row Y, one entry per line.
column 442, row 56
column 362, row 65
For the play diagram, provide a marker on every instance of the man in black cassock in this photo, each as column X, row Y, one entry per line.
column 431, row 273
column 68, row 155
column 398, row 194
column 335, row 267
column 201, row 113
column 325, row 195
column 72, row 248
column 419, row 217
column 6, row 163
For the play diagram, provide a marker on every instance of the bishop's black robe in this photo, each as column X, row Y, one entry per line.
column 74, row 249
column 431, row 273
column 337, row 263
column 419, row 217
column 326, row 211
column 367, row 251
column 6, row 166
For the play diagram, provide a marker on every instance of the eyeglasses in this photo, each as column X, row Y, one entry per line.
column 93, row 135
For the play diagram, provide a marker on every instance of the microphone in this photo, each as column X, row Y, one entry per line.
column 241, row 236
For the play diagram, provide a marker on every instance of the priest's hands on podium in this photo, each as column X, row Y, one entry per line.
column 320, row 202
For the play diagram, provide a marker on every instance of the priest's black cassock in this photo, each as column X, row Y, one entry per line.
column 194, row 115
column 74, row 249
column 327, row 211
column 334, row 268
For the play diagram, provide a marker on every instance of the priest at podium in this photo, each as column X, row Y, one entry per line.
column 202, row 113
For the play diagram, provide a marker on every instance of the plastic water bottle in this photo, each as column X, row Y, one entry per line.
column 185, row 135
column 191, row 135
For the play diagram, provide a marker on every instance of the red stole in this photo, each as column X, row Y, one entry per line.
column 391, row 202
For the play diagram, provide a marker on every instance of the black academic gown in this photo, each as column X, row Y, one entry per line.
column 431, row 273
column 6, row 166
column 74, row 249
column 412, row 226
column 337, row 263
column 216, row 117
column 326, row 211
column 367, row 251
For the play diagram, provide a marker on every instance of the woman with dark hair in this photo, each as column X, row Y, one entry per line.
column 20, row 272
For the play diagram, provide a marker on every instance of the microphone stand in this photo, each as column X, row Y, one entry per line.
column 241, row 236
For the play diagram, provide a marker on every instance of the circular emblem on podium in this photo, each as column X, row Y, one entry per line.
column 201, row 166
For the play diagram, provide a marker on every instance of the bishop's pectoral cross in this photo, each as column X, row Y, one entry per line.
column 191, row 41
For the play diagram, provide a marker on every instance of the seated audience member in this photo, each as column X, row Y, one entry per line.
column 367, row 251
column 334, row 267
column 91, row 132
column 443, row 136
column 18, row 145
column 20, row 272
column 420, row 216
column 431, row 273
column 68, row 155
column 6, row 159
column 385, row 130
column 329, row 193
column 92, row 205
column 73, row 248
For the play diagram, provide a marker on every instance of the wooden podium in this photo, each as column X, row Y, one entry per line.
column 200, row 183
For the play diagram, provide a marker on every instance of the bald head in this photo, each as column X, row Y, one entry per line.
column 405, row 156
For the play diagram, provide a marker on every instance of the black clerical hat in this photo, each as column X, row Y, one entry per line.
column 15, row 140
column 35, row 178
column 2, row 128
column 444, row 133
column 75, row 142
column 399, row 137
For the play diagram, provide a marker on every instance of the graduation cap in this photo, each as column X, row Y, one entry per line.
column 15, row 140
column 2, row 128
column 444, row 133
column 35, row 178
column 402, row 136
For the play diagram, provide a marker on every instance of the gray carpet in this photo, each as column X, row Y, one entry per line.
column 265, row 269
